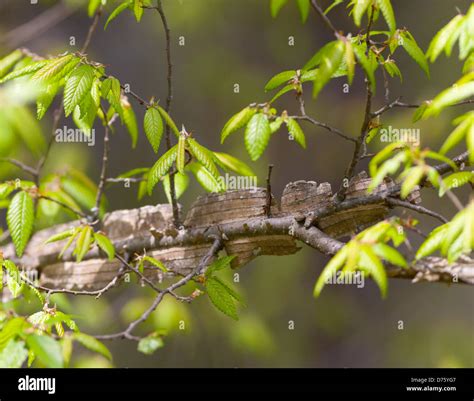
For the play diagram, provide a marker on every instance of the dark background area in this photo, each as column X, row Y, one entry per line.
column 230, row 42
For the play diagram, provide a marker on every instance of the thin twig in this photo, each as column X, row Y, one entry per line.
column 325, row 18
column 325, row 126
column 420, row 209
column 169, row 99
column 359, row 144
column 96, row 293
column 398, row 103
column 268, row 203
column 127, row 333
column 103, row 172
column 20, row 165
column 64, row 205
column 92, row 29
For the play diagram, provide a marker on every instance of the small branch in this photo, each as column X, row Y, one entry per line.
column 169, row 99
column 92, row 29
column 360, row 143
column 325, row 18
column 420, row 209
column 97, row 293
column 64, row 205
column 103, row 173
column 127, row 333
column 20, row 165
column 325, row 126
column 458, row 161
column 398, row 103
column 137, row 272
column 268, row 204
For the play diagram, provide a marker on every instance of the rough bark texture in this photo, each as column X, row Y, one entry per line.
column 240, row 218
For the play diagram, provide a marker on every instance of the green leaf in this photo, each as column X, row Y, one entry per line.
column 52, row 68
column 46, row 350
column 330, row 270
column 69, row 242
column 350, row 61
column 60, row 236
column 257, row 135
column 114, row 14
column 371, row 264
column 413, row 178
column 181, row 183
column 281, row 92
column 153, row 125
column 221, row 298
column 445, row 38
column 6, row 189
column 150, row 344
column 203, row 156
column 360, row 7
column 156, row 263
column 45, row 99
column 92, row 344
column 412, row 48
column 389, row 254
column 205, row 178
column 9, row 61
column 169, row 121
column 304, row 7
column 181, row 155
column 232, row 163
column 458, row 134
column 14, row 355
column 161, row 168
column 275, row 6
column 138, row 9
column 279, row 79
column 276, row 124
column 234, row 294
column 130, row 121
column 392, row 68
column 10, row 330
column 20, row 219
column 14, row 283
column 296, row 132
column 237, row 121
column 456, row 180
column 449, row 97
column 368, row 63
column 420, row 112
column 27, row 70
column 114, row 94
column 388, row 14
column 219, row 264
column 133, row 172
column 92, row 7
column 77, row 86
column 84, row 241
column 105, row 244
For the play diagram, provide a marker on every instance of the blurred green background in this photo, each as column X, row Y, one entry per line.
column 230, row 42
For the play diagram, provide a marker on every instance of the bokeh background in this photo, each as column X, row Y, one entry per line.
column 230, row 42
